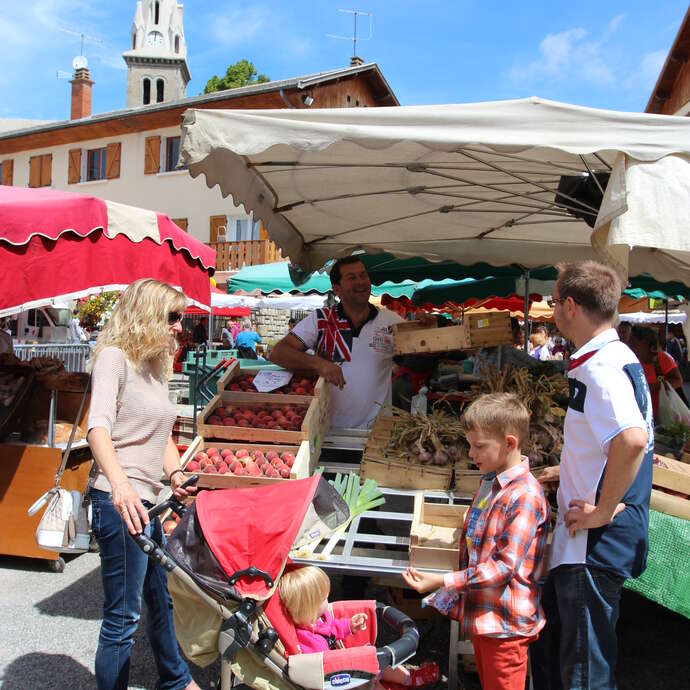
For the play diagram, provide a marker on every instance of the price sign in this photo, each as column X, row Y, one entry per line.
column 267, row 381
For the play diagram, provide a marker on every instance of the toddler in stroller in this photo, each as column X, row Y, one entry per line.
column 225, row 560
column 304, row 592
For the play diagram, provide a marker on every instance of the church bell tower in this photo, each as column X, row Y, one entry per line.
column 157, row 69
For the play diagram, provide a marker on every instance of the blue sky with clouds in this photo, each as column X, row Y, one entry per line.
column 598, row 53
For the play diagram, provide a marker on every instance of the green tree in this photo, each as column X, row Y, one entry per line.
column 242, row 73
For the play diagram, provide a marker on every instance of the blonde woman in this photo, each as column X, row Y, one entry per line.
column 129, row 432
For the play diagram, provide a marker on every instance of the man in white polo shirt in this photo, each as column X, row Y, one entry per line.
column 601, row 534
column 353, row 343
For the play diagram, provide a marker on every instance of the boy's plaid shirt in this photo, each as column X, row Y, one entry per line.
column 499, row 574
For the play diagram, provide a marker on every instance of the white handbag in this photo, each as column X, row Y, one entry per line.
column 64, row 526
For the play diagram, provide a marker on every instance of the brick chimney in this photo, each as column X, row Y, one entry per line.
column 81, row 94
column 356, row 61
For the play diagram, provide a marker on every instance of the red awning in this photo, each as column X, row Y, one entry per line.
column 57, row 244
column 230, row 312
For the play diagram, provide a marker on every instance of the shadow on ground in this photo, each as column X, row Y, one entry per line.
column 82, row 599
column 39, row 670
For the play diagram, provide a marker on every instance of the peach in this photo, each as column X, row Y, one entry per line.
column 271, row 455
column 192, row 466
column 214, row 419
column 212, row 451
column 239, row 470
column 225, row 452
column 288, row 459
column 285, row 472
column 222, row 468
column 242, row 453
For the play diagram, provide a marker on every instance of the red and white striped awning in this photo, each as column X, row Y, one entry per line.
column 60, row 245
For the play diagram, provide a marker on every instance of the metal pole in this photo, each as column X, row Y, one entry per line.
column 209, row 341
column 526, row 308
column 665, row 321
column 51, row 417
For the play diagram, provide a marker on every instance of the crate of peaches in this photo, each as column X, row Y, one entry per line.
column 227, row 465
column 266, row 418
column 242, row 381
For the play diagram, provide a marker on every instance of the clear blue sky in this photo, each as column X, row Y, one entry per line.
column 602, row 53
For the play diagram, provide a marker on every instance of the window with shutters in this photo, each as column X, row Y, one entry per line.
column 95, row 164
column 112, row 157
column 74, row 171
column 215, row 224
column 172, row 154
column 152, row 155
column 6, row 172
column 40, row 170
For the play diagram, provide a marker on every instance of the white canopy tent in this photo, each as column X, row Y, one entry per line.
column 470, row 183
column 303, row 302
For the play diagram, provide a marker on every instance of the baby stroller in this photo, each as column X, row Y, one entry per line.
column 224, row 561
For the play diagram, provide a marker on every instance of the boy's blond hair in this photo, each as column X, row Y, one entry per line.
column 302, row 590
column 498, row 414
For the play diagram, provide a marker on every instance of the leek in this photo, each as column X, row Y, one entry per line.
column 359, row 499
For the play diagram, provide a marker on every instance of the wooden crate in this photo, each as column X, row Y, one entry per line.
column 671, row 487
column 440, row 548
column 396, row 470
column 234, row 372
column 303, row 467
column 314, row 428
column 467, row 481
column 483, row 330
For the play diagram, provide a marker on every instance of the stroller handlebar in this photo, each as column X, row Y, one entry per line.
column 405, row 646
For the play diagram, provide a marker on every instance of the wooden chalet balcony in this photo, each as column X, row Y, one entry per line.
column 232, row 256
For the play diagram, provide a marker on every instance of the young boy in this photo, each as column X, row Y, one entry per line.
column 501, row 547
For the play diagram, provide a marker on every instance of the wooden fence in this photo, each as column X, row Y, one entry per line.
column 231, row 256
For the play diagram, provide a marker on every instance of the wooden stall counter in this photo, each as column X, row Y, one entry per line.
column 28, row 469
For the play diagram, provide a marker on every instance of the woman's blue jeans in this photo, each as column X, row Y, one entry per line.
column 577, row 649
column 128, row 574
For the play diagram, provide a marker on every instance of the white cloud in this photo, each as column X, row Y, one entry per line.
column 571, row 55
column 235, row 27
column 557, row 49
column 645, row 74
column 651, row 64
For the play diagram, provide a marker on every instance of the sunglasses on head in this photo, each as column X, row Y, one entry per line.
column 174, row 317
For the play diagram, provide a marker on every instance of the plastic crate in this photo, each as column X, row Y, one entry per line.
column 212, row 356
column 189, row 368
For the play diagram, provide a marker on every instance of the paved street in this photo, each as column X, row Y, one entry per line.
column 50, row 629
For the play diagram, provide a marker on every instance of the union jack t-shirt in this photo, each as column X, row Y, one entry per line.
column 365, row 356
column 334, row 335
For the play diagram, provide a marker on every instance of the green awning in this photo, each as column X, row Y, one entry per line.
column 445, row 281
column 275, row 278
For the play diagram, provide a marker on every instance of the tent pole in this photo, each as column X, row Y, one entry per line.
column 665, row 320
column 526, row 310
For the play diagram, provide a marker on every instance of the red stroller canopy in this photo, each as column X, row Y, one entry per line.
column 257, row 527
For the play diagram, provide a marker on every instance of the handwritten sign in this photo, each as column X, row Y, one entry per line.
column 267, row 381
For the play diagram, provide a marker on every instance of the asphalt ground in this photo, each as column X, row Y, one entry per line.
column 50, row 623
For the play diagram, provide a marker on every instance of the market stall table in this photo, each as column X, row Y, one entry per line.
column 368, row 554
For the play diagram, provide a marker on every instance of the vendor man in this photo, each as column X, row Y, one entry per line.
column 353, row 343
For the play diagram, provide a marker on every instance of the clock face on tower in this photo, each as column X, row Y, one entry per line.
column 154, row 38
